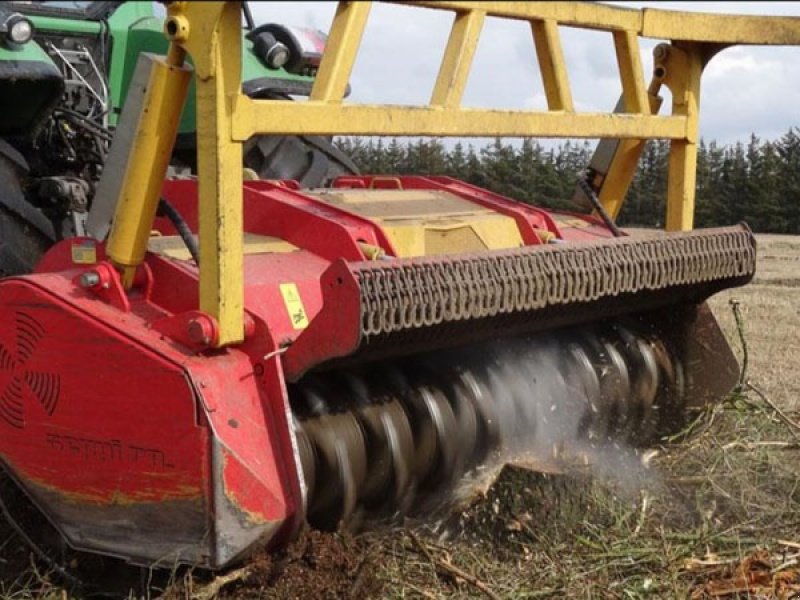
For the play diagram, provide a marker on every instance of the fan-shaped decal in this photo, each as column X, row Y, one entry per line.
column 19, row 379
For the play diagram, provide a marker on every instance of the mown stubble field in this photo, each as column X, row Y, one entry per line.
column 770, row 306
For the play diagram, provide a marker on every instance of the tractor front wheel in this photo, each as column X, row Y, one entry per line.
column 21, row 244
column 312, row 161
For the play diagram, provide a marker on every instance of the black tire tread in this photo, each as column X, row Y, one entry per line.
column 21, row 244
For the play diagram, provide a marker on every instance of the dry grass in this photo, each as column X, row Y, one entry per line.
column 716, row 515
column 718, row 498
column 771, row 309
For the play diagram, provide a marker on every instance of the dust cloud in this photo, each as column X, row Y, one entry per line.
column 568, row 402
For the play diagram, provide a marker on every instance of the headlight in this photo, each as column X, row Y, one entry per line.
column 19, row 30
column 273, row 53
column 296, row 49
column 277, row 55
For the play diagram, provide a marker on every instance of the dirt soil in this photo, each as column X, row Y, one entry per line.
column 716, row 515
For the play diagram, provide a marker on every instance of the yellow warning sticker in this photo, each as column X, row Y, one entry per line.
column 84, row 252
column 294, row 305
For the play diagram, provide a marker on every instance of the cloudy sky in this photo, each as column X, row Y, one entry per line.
column 745, row 89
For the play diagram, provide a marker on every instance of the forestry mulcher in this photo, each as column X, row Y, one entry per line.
column 340, row 354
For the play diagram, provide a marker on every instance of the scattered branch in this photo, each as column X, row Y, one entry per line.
column 767, row 444
column 789, row 544
column 794, row 427
column 445, row 567
column 737, row 316
column 210, row 591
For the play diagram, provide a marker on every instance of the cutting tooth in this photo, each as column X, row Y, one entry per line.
column 644, row 385
column 672, row 391
column 489, row 436
column 585, row 387
column 401, row 441
column 618, row 386
column 308, row 460
column 341, row 466
column 389, row 442
column 437, row 434
column 603, row 402
column 444, row 378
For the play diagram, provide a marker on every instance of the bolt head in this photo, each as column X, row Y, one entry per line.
column 198, row 332
column 661, row 51
column 89, row 279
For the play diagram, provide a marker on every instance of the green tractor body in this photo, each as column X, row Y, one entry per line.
column 61, row 94
column 122, row 30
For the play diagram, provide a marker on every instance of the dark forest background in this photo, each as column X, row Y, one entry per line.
column 757, row 182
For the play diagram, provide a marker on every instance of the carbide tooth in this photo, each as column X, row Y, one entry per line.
column 379, row 460
column 598, row 360
column 445, row 439
column 401, row 442
column 390, row 444
column 671, row 392
column 466, row 422
column 504, row 401
column 341, row 467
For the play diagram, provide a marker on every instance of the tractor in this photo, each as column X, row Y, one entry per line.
column 65, row 69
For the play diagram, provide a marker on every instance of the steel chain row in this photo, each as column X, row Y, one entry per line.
column 418, row 293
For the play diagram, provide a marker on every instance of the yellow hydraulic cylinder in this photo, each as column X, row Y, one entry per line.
column 146, row 168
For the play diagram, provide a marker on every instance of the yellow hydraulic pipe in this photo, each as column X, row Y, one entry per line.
column 167, row 88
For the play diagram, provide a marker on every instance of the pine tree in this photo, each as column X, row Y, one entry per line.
column 395, row 155
column 758, row 182
column 456, row 162
column 788, row 187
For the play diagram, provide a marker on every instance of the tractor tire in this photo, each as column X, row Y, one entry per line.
column 21, row 244
column 312, row 161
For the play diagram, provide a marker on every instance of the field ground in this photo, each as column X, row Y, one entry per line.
column 716, row 514
column 770, row 306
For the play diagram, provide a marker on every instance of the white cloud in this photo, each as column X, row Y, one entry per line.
column 745, row 89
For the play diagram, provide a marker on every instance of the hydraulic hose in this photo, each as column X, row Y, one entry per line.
column 167, row 209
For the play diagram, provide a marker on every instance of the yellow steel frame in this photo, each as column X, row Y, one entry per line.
column 211, row 33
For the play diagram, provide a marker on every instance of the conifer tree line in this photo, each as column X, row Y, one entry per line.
column 757, row 182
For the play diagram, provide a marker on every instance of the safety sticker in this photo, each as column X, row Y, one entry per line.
column 294, row 305
column 84, row 252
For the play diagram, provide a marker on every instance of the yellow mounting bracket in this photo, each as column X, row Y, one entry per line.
column 211, row 33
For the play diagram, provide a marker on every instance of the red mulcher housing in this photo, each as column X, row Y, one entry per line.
column 138, row 439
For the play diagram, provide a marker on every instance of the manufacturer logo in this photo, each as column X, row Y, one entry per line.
column 17, row 381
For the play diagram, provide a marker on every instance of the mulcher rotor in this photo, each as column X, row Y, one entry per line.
column 381, row 439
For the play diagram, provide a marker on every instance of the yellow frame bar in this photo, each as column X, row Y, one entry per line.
column 547, row 41
column 211, row 33
column 454, row 70
column 345, row 35
column 279, row 117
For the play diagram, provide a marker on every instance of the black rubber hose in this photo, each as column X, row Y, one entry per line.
column 587, row 189
column 167, row 209
column 248, row 16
